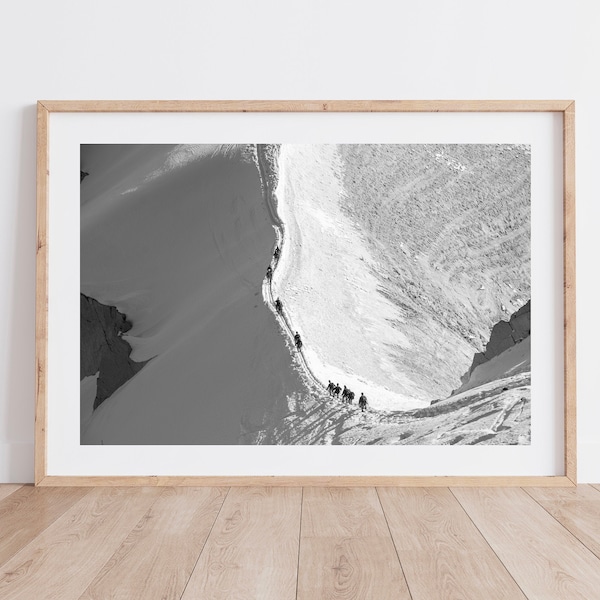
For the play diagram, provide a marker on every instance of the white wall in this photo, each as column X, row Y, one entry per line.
column 324, row 49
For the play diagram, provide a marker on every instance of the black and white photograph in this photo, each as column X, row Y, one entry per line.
column 305, row 294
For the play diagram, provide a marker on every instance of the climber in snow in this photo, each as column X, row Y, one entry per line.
column 279, row 306
column 362, row 402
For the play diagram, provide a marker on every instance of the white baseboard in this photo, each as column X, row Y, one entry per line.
column 16, row 462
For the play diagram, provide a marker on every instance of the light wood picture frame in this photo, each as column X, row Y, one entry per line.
column 44, row 255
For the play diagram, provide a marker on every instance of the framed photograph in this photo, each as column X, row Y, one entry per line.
column 305, row 293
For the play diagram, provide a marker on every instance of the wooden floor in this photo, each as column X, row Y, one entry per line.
column 304, row 543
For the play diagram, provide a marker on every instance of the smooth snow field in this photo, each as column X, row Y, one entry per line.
column 178, row 239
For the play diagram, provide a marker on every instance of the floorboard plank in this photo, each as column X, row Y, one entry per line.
column 64, row 558
column 346, row 550
column 252, row 550
column 442, row 553
column 28, row 511
column 158, row 556
column 542, row 556
column 577, row 508
column 596, row 486
column 6, row 489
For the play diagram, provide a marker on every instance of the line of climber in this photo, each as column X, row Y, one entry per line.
column 332, row 389
column 278, row 303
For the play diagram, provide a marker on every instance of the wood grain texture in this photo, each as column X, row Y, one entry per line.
column 252, row 550
column 142, row 542
column 6, row 489
column 570, row 374
column 578, row 509
column 342, row 512
column 28, row 511
column 41, row 294
column 158, row 556
column 542, row 556
column 63, row 559
column 305, row 105
column 442, row 553
column 345, row 547
column 596, row 486
column 283, row 481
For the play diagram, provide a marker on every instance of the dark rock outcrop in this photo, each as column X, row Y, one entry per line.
column 103, row 349
column 504, row 335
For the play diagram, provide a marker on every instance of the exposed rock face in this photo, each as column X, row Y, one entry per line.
column 504, row 335
column 103, row 349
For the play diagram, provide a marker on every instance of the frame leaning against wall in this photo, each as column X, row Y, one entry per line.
column 47, row 108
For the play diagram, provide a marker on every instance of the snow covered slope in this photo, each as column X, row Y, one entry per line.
column 399, row 259
column 327, row 285
column 494, row 408
column 183, row 254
